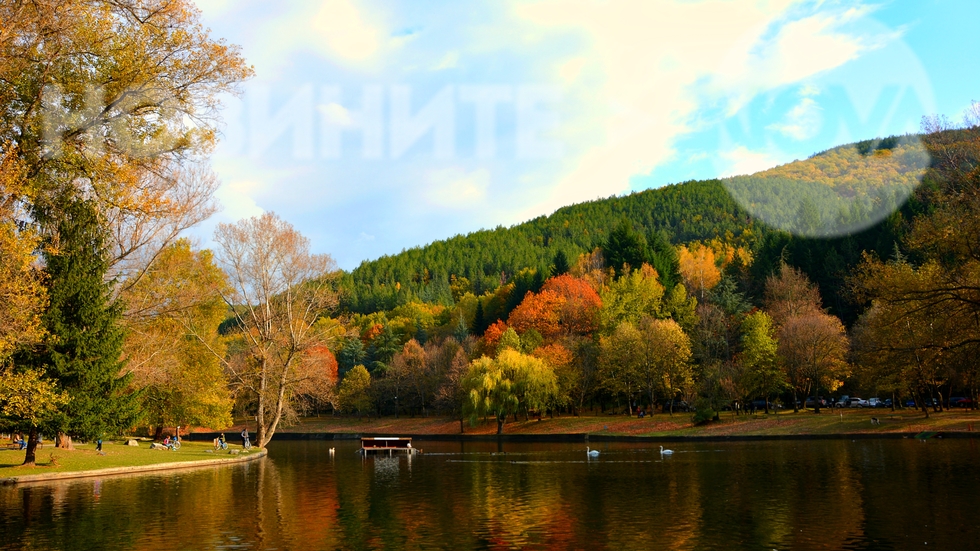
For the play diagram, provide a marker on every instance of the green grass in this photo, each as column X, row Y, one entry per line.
column 85, row 458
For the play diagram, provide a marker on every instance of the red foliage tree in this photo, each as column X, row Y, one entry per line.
column 565, row 306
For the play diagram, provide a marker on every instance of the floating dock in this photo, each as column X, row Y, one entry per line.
column 389, row 445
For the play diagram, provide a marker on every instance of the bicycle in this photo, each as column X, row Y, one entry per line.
column 248, row 444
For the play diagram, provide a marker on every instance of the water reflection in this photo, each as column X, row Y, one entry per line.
column 785, row 495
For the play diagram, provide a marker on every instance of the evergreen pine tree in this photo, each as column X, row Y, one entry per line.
column 625, row 246
column 560, row 264
column 460, row 332
column 479, row 320
column 663, row 258
column 84, row 346
column 350, row 354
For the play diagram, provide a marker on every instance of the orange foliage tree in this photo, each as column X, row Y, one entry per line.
column 565, row 306
column 698, row 268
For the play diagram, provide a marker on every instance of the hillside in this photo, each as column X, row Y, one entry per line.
column 841, row 191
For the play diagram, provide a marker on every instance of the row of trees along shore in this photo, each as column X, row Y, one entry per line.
column 111, row 322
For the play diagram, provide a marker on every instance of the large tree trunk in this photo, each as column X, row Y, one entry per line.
column 500, row 424
column 31, row 456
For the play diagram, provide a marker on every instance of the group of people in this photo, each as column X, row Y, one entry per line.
column 221, row 443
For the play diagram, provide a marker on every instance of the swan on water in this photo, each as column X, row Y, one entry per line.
column 591, row 453
column 665, row 452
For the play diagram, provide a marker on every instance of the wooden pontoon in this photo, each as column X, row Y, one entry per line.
column 387, row 444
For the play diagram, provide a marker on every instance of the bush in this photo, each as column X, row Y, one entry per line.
column 704, row 415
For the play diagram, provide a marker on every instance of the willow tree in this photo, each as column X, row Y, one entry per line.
column 278, row 291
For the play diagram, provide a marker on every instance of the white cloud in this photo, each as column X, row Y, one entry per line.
column 742, row 160
column 654, row 67
column 214, row 8
column 342, row 28
column 336, row 114
column 455, row 188
column 448, row 61
column 236, row 198
column 802, row 122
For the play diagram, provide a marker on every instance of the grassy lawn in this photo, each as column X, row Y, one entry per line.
column 84, row 457
column 848, row 421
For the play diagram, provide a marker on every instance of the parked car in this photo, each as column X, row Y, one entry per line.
column 875, row 403
column 857, row 402
column 820, row 400
column 960, row 402
column 678, row 406
column 843, row 401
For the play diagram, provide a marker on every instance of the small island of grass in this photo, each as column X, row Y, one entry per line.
column 118, row 458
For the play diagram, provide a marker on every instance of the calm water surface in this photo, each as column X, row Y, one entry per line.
column 888, row 494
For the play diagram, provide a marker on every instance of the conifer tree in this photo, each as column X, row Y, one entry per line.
column 625, row 246
column 479, row 320
column 560, row 264
column 83, row 350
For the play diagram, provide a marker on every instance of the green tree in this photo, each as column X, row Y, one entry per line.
column 759, row 360
column 351, row 353
column 625, row 247
column 559, row 265
column 354, row 394
column 631, row 297
column 489, row 392
column 85, row 338
column 534, row 382
column 479, row 320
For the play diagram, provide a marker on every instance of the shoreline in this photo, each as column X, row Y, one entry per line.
column 135, row 469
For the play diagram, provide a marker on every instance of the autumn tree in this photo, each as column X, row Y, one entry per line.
column 815, row 347
column 22, row 293
column 174, row 312
column 789, row 293
column 115, row 101
column 620, row 364
column 279, row 290
column 565, row 306
column 451, row 361
column 413, row 367
column 29, row 400
column 567, row 377
column 666, row 358
column 698, row 268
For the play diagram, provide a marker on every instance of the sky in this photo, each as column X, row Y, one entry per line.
column 377, row 126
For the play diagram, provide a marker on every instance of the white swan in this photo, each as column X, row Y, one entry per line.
column 665, row 452
column 591, row 453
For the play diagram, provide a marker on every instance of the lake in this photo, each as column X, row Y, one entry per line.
column 829, row 494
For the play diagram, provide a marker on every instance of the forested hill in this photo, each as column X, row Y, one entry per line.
column 853, row 176
column 685, row 212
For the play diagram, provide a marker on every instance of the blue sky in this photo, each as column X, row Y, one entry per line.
column 375, row 126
